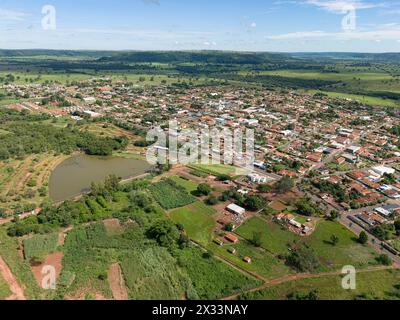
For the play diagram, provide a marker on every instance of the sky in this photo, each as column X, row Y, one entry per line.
column 237, row 25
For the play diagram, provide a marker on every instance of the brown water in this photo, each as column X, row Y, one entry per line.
column 75, row 175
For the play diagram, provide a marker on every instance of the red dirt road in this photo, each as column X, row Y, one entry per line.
column 16, row 289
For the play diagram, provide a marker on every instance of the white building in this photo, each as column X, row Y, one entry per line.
column 382, row 170
column 236, row 209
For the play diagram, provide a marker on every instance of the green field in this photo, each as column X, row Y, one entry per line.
column 217, row 169
column 18, row 266
column 364, row 99
column 39, row 246
column 170, row 195
column 275, row 239
column 211, row 278
column 190, row 186
column 145, row 270
column 263, row 263
column 197, row 221
column 378, row 285
column 5, row 291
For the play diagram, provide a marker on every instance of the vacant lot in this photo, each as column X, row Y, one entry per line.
column 347, row 252
column 197, row 221
column 262, row 262
column 213, row 279
column 375, row 285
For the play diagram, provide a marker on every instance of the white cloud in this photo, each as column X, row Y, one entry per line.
column 339, row 6
column 383, row 32
column 6, row 14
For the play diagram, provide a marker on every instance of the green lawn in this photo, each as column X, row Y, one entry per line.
column 197, row 221
column 376, row 285
column 5, row 291
column 347, row 252
column 187, row 184
column 275, row 238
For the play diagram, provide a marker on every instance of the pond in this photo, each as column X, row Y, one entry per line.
column 74, row 176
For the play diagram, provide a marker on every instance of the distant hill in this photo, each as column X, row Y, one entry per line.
column 222, row 57
column 374, row 57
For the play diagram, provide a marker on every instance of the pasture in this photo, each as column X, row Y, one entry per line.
column 276, row 239
column 376, row 285
column 197, row 221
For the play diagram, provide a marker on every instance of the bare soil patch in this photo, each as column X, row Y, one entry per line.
column 117, row 282
column 54, row 259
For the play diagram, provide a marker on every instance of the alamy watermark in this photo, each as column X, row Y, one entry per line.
column 349, row 281
column 349, row 21
column 203, row 146
column 49, row 20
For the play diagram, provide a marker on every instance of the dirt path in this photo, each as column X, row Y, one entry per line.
column 16, row 289
column 302, row 276
column 117, row 283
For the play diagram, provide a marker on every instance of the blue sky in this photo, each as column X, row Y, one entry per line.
column 243, row 25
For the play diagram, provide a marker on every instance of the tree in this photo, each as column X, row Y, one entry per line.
column 334, row 215
column 211, row 201
column 385, row 260
column 334, row 240
column 204, row 189
column 397, row 226
column 257, row 239
column 264, row 188
column 303, row 259
column 223, row 177
column 229, row 227
column 363, row 238
column 253, row 202
column 164, row 232
column 284, row 185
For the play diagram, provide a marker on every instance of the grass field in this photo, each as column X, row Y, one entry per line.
column 197, row 221
column 18, row 266
column 376, row 285
column 40, row 246
column 15, row 175
column 190, row 186
column 364, row 99
column 145, row 270
column 211, row 278
column 5, row 291
column 262, row 262
column 216, row 169
column 275, row 239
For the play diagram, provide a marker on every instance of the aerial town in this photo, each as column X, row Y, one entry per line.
column 346, row 162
